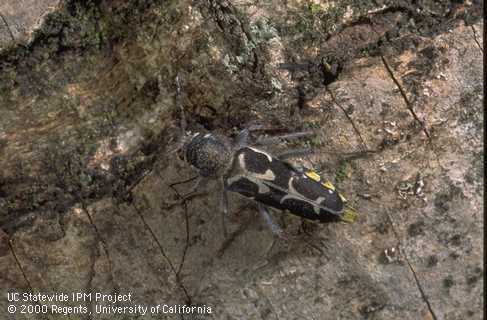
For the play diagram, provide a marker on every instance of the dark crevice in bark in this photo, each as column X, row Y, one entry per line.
column 91, row 276
column 420, row 288
column 24, row 275
column 19, row 265
column 357, row 131
column 102, row 241
column 476, row 39
column 411, row 110
column 411, row 268
column 404, row 96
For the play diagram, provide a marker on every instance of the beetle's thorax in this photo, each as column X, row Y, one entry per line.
column 209, row 153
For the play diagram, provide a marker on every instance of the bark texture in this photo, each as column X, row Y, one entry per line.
column 88, row 115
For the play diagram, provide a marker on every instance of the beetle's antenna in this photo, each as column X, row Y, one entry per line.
column 179, row 104
column 183, row 123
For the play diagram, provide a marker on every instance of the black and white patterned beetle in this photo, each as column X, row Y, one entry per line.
column 263, row 177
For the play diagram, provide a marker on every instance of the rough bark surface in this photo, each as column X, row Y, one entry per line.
column 88, row 117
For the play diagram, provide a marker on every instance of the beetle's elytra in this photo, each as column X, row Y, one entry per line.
column 265, row 178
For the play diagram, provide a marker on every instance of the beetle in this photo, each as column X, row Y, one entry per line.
column 267, row 179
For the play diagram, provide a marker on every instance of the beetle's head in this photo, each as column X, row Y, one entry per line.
column 210, row 154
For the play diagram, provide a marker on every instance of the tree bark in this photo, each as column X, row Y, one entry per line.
column 88, row 115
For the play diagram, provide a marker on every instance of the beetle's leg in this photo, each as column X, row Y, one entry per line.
column 294, row 153
column 179, row 104
column 289, row 136
column 200, row 182
column 184, row 181
column 275, row 229
column 224, row 207
column 242, row 138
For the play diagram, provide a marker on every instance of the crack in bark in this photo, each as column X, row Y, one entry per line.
column 90, row 283
column 404, row 96
column 411, row 268
column 476, row 39
column 8, row 26
column 411, row 110
column 420, row 288
column 19, row 265
column 357, row 132
column 163, row 253
column 102, row 241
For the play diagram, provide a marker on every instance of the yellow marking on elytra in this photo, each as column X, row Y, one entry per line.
column 349, row 215
column 329, row 185
column 313, row 175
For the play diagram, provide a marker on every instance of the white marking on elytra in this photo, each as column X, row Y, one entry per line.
column 207, row 135
column 290, row 186
column 317, row 209
column 269, row 157
column 241, row 161
column 268, row 175
column 290, row 191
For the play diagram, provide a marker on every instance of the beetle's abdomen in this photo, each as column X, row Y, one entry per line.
column 208, row 153
column 268, row 180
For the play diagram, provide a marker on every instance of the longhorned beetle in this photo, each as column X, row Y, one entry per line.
column 254, row 173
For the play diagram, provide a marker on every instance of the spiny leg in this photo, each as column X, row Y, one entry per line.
column 200, row 183
column 224, row 207
column 242, row 138
column 179, row 103
column 275, row 229
column 289, row 136
column 184, row 181
column 294, row 153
